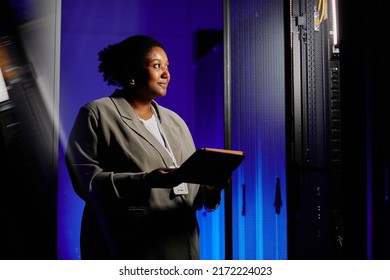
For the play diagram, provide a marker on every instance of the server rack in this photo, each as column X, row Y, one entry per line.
column 28, row 201
column 314, row 165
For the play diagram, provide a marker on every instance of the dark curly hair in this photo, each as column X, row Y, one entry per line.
column 119, row 60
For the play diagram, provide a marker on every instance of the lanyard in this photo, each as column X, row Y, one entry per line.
column 182, row 188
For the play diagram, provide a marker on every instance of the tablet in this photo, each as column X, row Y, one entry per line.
column 210, row 166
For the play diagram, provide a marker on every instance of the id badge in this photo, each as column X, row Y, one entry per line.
column 180, row 189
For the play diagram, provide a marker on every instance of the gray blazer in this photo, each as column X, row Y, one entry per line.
column 109, row 150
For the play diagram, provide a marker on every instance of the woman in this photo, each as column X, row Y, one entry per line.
column 121, row 156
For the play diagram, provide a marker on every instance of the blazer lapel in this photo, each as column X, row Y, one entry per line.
column 171, row 132
column 131, row 119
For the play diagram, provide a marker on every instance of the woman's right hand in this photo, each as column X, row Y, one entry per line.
column 163, row 178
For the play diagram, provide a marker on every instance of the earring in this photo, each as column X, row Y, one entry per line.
column 132, row 82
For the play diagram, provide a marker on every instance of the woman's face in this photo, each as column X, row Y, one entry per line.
column 156, row 75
